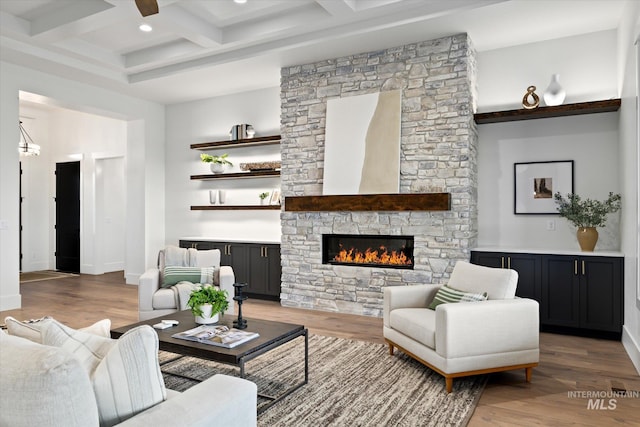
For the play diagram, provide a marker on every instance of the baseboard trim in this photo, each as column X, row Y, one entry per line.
column 10, row 302
column 132, row 279
column 632, row 347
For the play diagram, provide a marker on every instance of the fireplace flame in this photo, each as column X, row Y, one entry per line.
column 371, row 256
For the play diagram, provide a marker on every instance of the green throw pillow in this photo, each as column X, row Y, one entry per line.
column 447, row 295
column 173, row 275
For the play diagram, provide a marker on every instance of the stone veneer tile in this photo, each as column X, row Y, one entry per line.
column 438, row 154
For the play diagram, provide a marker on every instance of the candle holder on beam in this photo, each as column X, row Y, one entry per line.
column 240, row 298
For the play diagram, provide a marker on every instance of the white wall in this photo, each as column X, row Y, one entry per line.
column 75, row 135
column 590, row 140
column 211, row 120
column 110, row 214
column 145, row 167
column 37, row 197
column 586, row 64
column 629, row 61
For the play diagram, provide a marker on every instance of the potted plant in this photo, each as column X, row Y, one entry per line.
column 207, row 302
column 263, row 196
column 217, row 162
column 586, row 215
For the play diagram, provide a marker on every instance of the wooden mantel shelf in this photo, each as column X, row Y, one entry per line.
column 546, row 112
column 370, row 202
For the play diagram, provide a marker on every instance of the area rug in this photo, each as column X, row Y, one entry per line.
column 36, row 276
column 351, row 383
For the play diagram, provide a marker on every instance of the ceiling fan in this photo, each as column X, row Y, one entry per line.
column 147, row 7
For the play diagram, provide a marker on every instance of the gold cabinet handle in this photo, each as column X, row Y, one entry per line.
column 501, row 262
column 509, row 262
column 583, row 269
column 575, row 267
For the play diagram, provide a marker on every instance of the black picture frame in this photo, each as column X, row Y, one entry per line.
column 535, row 183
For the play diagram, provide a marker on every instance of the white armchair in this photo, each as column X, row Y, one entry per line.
column 466, row 338
column 156, row 301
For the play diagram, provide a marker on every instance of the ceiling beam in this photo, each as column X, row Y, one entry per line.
column 160, row 54
column 189, row 26
column 338, row 7
column 73, row 19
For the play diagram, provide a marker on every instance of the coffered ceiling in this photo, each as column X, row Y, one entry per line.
column 204, row 48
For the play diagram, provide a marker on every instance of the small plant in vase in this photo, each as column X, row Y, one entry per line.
column 217, row 162
column 263, row 197
column 207, row 302
column 586, row 215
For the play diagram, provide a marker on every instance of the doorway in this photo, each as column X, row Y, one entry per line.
column 68, row 217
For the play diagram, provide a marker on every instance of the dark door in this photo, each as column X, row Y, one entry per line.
column 68, row 217
column 488, row 259
column 601, row 293
column 529, row 269
column 238, row 254
column 560, row 291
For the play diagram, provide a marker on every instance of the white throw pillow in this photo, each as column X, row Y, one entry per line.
column 43, row 386
column 125, row 373
column 32, row 331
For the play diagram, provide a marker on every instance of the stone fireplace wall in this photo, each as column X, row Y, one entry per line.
column 438, row 154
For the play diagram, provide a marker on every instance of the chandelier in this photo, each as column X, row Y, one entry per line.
column 26, row 146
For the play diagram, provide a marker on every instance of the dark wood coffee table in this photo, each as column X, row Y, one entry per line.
column 272, row 335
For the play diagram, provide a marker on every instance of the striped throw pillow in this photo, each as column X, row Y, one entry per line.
column 174, row 274
column 124, row 373
column 447, row 295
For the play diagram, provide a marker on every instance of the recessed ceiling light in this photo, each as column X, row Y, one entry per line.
column 240, row 1
column 145, row 27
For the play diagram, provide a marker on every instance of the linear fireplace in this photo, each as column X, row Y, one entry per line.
column 368, row 250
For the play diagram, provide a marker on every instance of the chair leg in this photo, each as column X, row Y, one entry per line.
column 528, row 373
column 448, row 383
column 390, row 350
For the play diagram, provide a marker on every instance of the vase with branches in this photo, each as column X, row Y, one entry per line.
column 586, row 215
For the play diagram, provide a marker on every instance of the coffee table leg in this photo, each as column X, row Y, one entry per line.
column 306, row 356
column 242, row 368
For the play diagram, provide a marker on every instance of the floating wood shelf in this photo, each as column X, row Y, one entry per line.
column 370, row 202
column 236, row 175
column 260, row 140
column 546, row 112
column 235, row 207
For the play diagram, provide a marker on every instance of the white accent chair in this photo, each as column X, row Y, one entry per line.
column 465, row 338
column 156, row 301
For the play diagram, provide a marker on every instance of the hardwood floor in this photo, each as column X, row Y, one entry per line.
column 567, row 364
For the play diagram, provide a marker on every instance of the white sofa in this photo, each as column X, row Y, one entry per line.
column 465, row 338
column 46, row 385
column 154, row 300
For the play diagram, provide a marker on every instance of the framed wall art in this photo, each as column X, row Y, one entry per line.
column 535, row 183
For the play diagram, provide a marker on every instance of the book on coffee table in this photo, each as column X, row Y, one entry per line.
column 219, row 335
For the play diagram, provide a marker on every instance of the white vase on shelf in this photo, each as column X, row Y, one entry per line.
column 217, row 167
column 555, row 93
